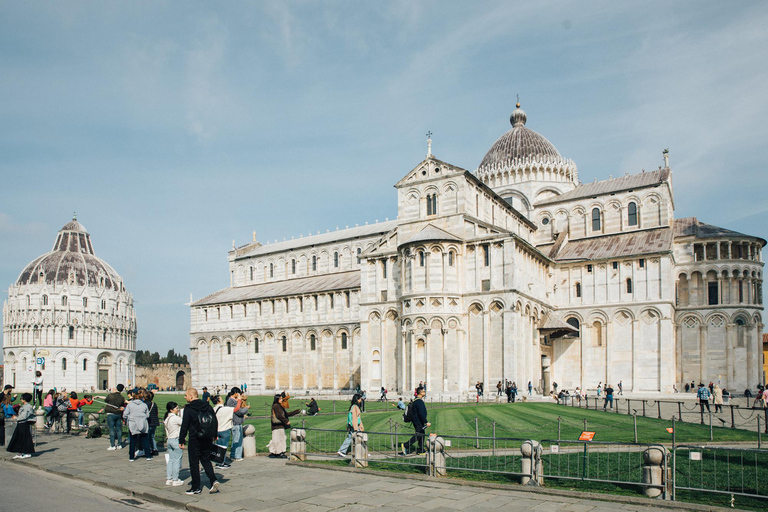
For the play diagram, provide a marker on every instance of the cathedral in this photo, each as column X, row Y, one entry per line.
column 69, row 316
column 516, row 271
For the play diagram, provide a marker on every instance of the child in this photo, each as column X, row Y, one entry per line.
column 86, row 400
column 21, row 441
column 172, row 422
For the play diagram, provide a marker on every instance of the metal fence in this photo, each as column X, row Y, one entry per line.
column 718, row 469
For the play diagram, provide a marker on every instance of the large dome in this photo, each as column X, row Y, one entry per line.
column 519, row 144
column 71, row 261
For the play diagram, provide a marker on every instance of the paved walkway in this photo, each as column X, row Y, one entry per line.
column 266, row 484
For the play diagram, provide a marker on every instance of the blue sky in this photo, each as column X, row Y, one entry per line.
column 173, row 128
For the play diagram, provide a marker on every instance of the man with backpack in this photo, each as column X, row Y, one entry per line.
column 199, row 421
column 416, row 414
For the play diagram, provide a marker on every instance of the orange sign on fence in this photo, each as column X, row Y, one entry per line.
column 586, row 436
column 670, row 430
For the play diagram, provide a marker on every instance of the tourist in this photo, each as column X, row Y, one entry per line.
column 498, row 388
column 312, row 408
column 199, row 421
column 238, row 401
column 172, row 424
column 702, row 395
column 37, row 389
column 530, row 388
column 21, row 441
column 383, row 397
column 74, row 403
column 354, row 424
column 420, row 424
column 599, row 388
column 621, row 388
column 224, row 432
column 554, row 387
column 693, row 387
column 280, row 423
column 48, row 406
column 154, row 422
column 206, row 394
column 363, row 396
column 687, row 387
column 86, row 400
column 608, row 396
column 400, row 404
column 717, row 398
column 60, row 410
column 514, row 391
column 508, row 392
column 115, row 403
column 136, row 416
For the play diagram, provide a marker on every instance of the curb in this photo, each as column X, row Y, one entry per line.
column 611, row 498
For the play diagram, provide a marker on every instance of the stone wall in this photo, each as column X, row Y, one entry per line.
column 165, row 376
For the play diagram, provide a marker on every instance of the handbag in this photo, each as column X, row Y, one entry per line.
column 218, row 453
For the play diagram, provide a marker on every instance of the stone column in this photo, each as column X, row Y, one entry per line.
column 359, row 450
column 532, row 468
column 427, row 362
column 635, row 337
column 653, row 470
column 486, row 344
column 298, row 444
column 729, row 373
column 703, row 353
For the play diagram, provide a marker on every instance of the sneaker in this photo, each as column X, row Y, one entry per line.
column 111, row 449
column 131, row 460
column 119, row 447
column 149, row 458
column 237, row 460
column 177, row 483
column 222, row 466
column 169, row 482
column 402, row 449
column 214, row 488
column 26, row 456
column 192, row 491
column 17, row 456
column 140, row 453
column 341, row 454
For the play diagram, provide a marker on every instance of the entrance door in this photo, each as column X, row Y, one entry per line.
column 103, row 379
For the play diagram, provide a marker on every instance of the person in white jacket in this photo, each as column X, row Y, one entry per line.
column 172, row 422
column 224, row 416
column 136, row 415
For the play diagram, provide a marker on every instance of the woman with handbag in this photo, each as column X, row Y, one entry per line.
column 280, row 423
column 354, row 424
column 224, row 419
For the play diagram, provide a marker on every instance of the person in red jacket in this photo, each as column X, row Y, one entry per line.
column 86, row 400
column 72, row 410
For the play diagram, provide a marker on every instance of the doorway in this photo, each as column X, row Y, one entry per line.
column 103, row 379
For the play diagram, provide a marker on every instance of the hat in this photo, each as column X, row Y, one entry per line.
column 7, row 386
column 205, row 388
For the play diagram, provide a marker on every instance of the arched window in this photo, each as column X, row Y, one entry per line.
column 103, row 304
column 45, row 300
column 486, row 255
column 596, row 219
column 629, row 285
column 314, row 263
column 384, row 268
column 64, row 300
column 71, row 332
column 229, row 348
column 578, row 289
column 598, row 327
column 251, row 270
column 632, row 214
column 422, row 258
column 285, row 344
column 293, row 266
column 256, row 345
column 343, row 341
column 432, row 204
column 85, row 365
column 450, row 258
column 271, row 270
column 104, row 336
column 335, row 260
column 574, row 322
column 63, row 363
column 312, row 342
column 359, row 250
column 740, row 328
column 85, row 302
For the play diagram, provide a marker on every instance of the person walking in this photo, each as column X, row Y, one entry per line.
column 354, row 424
column 199, row 421
column 621, row 388
column 280, row 423
column 224, row 416
column 702, row 395
column 420, row 424
column 498, row 388
column 154, row 422
column 172, row 424
column 717, row 398
column 383, row 396
column 21, row 441
column 115, row 404
column 238, row 402
column 608, row 396
column 136, row 416
column 530, row 388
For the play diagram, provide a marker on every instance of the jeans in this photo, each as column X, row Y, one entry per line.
column 223, row 440
column 200, row 453
column 608, row 400
column 80, row 417
column 115, row 425
column 174, row 459
column 143, row 440
column 347, row 442
column 237, row 442
column 152, row 441
column 418, row 438
column 70, row 418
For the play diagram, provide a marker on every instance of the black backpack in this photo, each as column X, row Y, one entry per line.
column 408, row 414
column 206, row 427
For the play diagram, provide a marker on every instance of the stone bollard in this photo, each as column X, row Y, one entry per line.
column 653, row 470
column 249, row 441
column 436, row 455
column 532, row 464
column 93, row 420
column 359, row 450
column 298, row 444
column 40, row 420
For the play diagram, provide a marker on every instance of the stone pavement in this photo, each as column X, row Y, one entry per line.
column 267, row 484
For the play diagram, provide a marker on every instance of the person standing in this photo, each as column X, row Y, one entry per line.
column 608, row 396
column 206, row 394
column 530, row 388
column 136, row 416
column 154, row 422
column 237, row 402
column 280, row 423
column 6, row 395
column 354, row 424
column 363, row 397
column 199, row 421
column 702, row 395
column 717, row 398
column 21, row 441
column 420, row 424
column 115, row 404
column 172, row 423
column 514, row 391
column 224, row 419
column 498, row 388
column 621, row 388
column 508, row 391
column 37, row 389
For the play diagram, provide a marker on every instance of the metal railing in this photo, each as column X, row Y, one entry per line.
column 722, row 470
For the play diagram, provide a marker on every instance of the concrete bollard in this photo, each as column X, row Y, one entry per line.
column 10, row 426
column 93, row 420
column 40, row 420
column 298, row 444
column 653, row 470
column 436, row 455
column 532, row 464
column 249, row 441
column 359, row 450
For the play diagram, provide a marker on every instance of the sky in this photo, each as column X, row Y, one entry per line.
column 174, row 128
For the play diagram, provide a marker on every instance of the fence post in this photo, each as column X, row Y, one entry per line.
column 298, row 444
column 360, row 449
column 437, row 451
column 531, row 464
column 674, row 456
column 644, row 408
column 759, row 434
column 334, row 407
column 680, row 411
column 585, row 423
column 733, row 421
column 477, row 435
column 493, row 452
column 659, row 404
column 634, row 420
column 629, row 405
column 710, row 426
column 653, row 471
column 397, row 440
column 391, row 437
column 558, row 428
